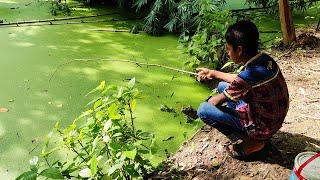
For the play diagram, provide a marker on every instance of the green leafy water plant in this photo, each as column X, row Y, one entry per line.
column 102, row 143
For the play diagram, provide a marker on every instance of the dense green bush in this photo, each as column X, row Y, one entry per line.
column 102, row 143
column 176, row 16
column 207, row 45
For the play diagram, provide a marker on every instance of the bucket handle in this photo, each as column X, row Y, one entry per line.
column 303, row 165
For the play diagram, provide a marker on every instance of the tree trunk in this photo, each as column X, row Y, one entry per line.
column 287, row 26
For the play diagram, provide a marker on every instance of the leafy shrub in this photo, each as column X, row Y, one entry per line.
column 102, row 143
column 175, row 16
column 267, row 45
column 207, row 45
column 59, row 8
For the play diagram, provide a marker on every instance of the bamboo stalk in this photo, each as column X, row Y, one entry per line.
column 120, row 60
column 54, row 19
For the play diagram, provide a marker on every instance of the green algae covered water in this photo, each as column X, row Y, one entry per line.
column 30, row 54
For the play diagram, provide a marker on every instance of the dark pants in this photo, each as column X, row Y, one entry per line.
column 224, row 119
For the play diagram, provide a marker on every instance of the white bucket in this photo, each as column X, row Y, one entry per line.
column 306, row 166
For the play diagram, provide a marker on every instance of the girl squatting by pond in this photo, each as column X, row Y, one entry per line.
column 256, row 99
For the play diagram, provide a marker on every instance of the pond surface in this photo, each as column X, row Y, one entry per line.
column 29, row 56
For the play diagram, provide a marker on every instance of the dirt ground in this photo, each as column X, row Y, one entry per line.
column 203, row 156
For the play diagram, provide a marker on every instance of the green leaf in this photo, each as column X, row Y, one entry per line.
column 227, row 64
column 107, row 126
column 137, row 143
column 115, row 168
column 106, row 138
column 70, row 128
column 94, row 144
column 114, row 146
column 130, row 154
column 29, row 175
column 117, row 134
column 101, row 87
column 145, row 135
column 113, row 112
column 133, row 104
column 120, row 91
column 109, row 88
column 57, row 125
column 240, row 69
column 52, row 173
column 71, row 168
column 131, row 83
column 34, row 168
column 97, row 104
column 100, row 115
column 85, row 173
column 131, row 170
column 93, row 165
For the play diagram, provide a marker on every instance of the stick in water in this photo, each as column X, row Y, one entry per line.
column 122, row 60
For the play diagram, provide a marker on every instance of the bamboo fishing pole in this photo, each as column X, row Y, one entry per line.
column 122, row 60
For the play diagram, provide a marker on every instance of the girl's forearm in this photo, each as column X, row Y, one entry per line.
column 227, row 77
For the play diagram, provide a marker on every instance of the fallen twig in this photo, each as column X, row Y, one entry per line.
column 265, row 175
column 204, row 147
column 120, row 60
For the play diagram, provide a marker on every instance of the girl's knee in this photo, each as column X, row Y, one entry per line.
column 203, row 110
column 222, row 86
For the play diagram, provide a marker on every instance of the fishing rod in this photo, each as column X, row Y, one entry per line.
column 121, row 60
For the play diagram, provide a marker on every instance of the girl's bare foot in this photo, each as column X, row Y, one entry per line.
column 246, row 148
column 253, row 146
